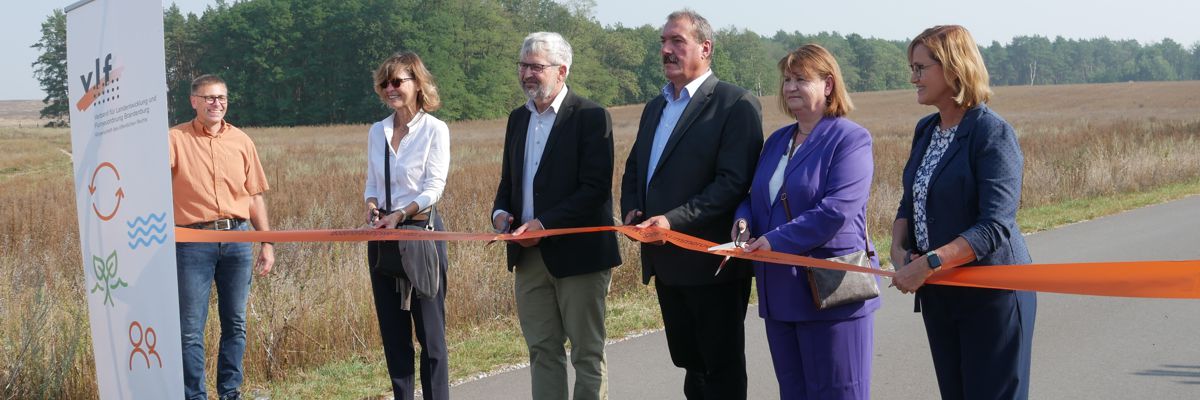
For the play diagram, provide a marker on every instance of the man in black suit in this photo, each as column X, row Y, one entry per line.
column 557, row 173
column 691, row 165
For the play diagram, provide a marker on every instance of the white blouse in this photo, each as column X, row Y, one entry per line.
column 776, row 181
column 418, row 168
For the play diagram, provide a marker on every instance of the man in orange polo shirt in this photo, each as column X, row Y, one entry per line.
column 218, row 184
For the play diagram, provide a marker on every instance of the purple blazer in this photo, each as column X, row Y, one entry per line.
column 827, row 182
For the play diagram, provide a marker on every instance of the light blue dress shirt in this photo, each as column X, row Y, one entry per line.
column 536, row 136
column 670, row 117
column 537, row 133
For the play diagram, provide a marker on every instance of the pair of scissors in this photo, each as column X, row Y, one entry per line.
column 507, row 228
column 738, row 243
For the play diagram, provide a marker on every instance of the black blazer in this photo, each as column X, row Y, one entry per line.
column 572, row 187
column 703, row 174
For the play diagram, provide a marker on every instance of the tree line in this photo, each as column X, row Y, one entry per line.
column 305, row 62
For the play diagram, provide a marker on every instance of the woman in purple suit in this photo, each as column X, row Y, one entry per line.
column 818, row 170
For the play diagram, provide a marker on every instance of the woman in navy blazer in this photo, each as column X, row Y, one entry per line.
column 962, row 188
column 821, row 167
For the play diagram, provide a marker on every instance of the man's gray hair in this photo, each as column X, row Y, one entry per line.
column 550, row 44
column 703, row 30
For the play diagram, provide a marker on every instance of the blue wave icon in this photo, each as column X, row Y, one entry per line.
column 147, row 242
column 152, row 218
column 153, row 229
column 148, row 230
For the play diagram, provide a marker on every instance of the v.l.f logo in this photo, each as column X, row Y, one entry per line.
column 94, row 91
column 87, row 80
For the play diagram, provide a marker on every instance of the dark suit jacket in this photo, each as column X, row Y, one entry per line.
column 975, row 189
column 572, row 187
column 703, row 173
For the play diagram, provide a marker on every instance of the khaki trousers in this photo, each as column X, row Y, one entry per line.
column 552, row 311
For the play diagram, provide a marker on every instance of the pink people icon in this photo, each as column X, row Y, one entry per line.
column 149, row 338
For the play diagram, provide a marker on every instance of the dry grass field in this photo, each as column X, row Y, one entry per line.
column 1080, row 142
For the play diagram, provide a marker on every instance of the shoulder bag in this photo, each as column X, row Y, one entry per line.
column 830, row 287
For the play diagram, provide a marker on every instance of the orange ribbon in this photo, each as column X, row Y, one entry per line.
column 1153, row 279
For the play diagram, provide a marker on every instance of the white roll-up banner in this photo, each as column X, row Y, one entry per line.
column 116, row 77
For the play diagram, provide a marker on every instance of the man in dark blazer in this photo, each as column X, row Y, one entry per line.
column 557, row 173
column 690, row 166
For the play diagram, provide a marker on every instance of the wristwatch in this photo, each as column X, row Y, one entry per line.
column 935, row 262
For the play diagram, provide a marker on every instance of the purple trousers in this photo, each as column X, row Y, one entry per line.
column 822, row 359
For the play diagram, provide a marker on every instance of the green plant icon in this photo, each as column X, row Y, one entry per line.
column 106, row 271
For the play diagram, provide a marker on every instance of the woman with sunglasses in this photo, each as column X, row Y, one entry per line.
column 962, row 188
column 417, row 149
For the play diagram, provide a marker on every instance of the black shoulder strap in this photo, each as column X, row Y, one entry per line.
column 867, row 236
column 387, row 176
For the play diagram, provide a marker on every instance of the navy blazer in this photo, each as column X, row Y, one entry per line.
column 828, row 181
column 974, row 191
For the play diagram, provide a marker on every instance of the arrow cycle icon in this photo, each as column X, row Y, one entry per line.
column 120, row 194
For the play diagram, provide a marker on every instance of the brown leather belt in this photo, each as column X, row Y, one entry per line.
column 218, row 225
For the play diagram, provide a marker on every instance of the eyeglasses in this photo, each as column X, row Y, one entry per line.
column 213, row 99
column 918, row 70
column 536, row 68
column 394, row 82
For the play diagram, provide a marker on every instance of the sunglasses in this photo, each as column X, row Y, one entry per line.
column 394, row 82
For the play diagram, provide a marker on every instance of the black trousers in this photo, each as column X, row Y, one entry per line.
column 981, row 340
column 706, row 335
column 396, row 328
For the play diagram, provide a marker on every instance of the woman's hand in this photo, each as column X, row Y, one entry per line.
column 912, row 276
column 899, row 254
column 372, row 214
column 756, row 244
column 900, row 257
column 388, row 221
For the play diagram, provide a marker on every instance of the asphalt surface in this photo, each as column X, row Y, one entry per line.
column 1085, row 347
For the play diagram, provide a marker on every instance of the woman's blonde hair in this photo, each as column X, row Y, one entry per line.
column 813, row 61
column 427, row 94
column 962, row 66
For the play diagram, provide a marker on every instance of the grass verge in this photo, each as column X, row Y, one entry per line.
column 1037, row 219
column 1050, row 216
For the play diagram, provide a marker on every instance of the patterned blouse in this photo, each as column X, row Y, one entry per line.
column 937, row 147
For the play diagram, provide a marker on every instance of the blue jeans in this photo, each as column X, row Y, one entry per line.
column 199, row 265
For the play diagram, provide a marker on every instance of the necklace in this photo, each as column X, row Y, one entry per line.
column 398, row 134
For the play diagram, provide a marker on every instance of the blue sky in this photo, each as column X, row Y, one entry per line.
column 1144, row 20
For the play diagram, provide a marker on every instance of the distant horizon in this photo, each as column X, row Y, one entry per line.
column 6, row 113
column 1148, row 23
